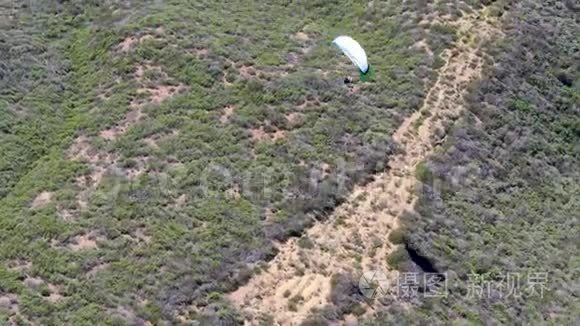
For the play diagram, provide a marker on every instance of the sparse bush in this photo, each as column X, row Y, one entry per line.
column 423, row 173
column 305, row 242
column 398, row 258
column 314, row 321
column 397, row 236
column 345, row 294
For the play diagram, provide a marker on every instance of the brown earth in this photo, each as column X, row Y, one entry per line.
column 226, row 114
column 85, row 241
column 42, row 199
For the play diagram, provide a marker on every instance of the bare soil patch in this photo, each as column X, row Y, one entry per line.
column 226, row 114
column 54, row 293
column 130, row 42
column 9, row 302
column 33, row 282
column 160, row 93
column 294, row 118
column 127, row 44
column 259, row 134
column 42, row 199
column 301, row 36
column 142, row 235
column 181, row 200
column 422, row 44
column 85, row 241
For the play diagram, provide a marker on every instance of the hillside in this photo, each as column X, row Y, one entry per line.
column 498, row 209
column 178, row 162
column 501, row 193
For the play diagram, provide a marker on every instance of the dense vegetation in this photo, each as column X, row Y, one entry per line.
column 151, row 152
column 501, row 196
column 32, row 78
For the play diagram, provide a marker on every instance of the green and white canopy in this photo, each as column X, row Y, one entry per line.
column 354, row 52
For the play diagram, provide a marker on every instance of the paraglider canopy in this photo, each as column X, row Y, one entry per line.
column 355, row 53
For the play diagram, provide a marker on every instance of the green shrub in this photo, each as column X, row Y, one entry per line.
column 398, row 258
column 397, row 236
column 305, row 243
column 423, row 173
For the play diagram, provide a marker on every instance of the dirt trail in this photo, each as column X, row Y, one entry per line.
column 354, row 239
